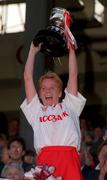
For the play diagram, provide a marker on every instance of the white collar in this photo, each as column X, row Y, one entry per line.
column 97, row 167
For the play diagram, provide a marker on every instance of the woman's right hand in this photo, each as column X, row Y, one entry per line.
column 35, row 49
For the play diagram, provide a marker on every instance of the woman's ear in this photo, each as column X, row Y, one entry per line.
column 60, row 94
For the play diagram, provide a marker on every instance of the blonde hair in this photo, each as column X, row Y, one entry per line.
column 51, row 75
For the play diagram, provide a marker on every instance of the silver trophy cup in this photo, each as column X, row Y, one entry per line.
column 53, row 37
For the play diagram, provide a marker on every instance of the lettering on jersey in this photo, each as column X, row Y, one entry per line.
column 53, row 117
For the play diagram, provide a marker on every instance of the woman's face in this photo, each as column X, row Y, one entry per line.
column 49, row 92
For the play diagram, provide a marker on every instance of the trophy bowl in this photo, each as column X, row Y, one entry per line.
column 53, row 38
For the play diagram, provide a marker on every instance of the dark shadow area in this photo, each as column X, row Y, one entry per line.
column 94, row 103
column 3, row 123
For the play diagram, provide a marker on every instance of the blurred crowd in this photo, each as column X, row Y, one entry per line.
column 93, row 152
column 15, row 158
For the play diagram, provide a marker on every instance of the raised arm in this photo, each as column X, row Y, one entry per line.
column 72, row 85
column 28, row 72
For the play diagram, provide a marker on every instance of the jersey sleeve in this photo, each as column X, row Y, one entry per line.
column 31, row 109
column 76, row 103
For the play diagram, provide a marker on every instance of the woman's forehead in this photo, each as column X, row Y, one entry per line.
column 15, row 143
column 48, row 81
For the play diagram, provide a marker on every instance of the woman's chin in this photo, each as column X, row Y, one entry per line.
column 48, row 103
